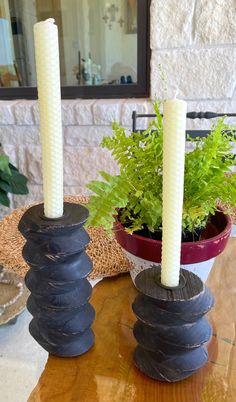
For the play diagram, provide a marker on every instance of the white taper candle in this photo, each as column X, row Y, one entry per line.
column 173, row 188
column 49, row 94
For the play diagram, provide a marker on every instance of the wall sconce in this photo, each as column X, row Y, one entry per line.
column 111, row 12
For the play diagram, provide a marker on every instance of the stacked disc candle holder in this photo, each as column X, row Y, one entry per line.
column 171, row 331
column 57, row 279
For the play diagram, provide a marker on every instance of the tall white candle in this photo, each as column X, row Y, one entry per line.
column 173, row 186
column 49, row 94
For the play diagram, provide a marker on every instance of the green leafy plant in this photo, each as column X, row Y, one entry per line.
column 137, row 190
column 11, row 181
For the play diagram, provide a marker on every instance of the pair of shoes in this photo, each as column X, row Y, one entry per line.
column 127, row 80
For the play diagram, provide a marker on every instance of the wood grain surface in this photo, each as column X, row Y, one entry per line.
column 60, row 291
column 107, row 374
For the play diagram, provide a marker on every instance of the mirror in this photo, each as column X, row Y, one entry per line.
column 98, row 40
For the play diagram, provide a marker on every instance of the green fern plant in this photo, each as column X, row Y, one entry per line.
column 137, row 190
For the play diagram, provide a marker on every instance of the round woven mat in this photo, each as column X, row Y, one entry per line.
column 7, row 292
column 106, row 254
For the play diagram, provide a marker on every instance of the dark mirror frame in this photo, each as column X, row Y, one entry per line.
column 138, row 90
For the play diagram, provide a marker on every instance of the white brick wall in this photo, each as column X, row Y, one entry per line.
column 194, row 40
column 85, row 122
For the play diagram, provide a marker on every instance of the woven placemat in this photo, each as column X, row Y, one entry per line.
column 7, row 292
column 106, row 254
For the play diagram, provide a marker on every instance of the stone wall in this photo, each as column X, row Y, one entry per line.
column 85, row 122
column 193, row 40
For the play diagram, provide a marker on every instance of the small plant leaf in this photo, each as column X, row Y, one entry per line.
column 4, row 164
column 4, row 200
column 16, row 182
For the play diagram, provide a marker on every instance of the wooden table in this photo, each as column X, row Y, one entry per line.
column 107, row 374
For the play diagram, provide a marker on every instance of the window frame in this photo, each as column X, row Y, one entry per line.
column 138, row 90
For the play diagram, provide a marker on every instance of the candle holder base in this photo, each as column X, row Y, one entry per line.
column 171, row 330
column 60, row 291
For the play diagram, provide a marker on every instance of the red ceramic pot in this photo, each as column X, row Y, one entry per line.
column 144, row 252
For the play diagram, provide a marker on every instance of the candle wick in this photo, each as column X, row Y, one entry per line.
column 47, row 21
column 175, row 94
column 50, row 20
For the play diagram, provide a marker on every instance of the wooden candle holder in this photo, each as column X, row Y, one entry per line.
column 59, row 265
column 171, row 331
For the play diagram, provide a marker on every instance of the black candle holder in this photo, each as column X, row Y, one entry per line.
column 171, row 331
column 57, row 279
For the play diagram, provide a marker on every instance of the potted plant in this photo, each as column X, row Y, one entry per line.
column 131, row 202
column 11, row 181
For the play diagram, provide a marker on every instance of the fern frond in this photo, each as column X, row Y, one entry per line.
column 138, row 188
column 109, row 195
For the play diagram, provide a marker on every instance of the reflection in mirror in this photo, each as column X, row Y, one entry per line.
column 97, row 40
